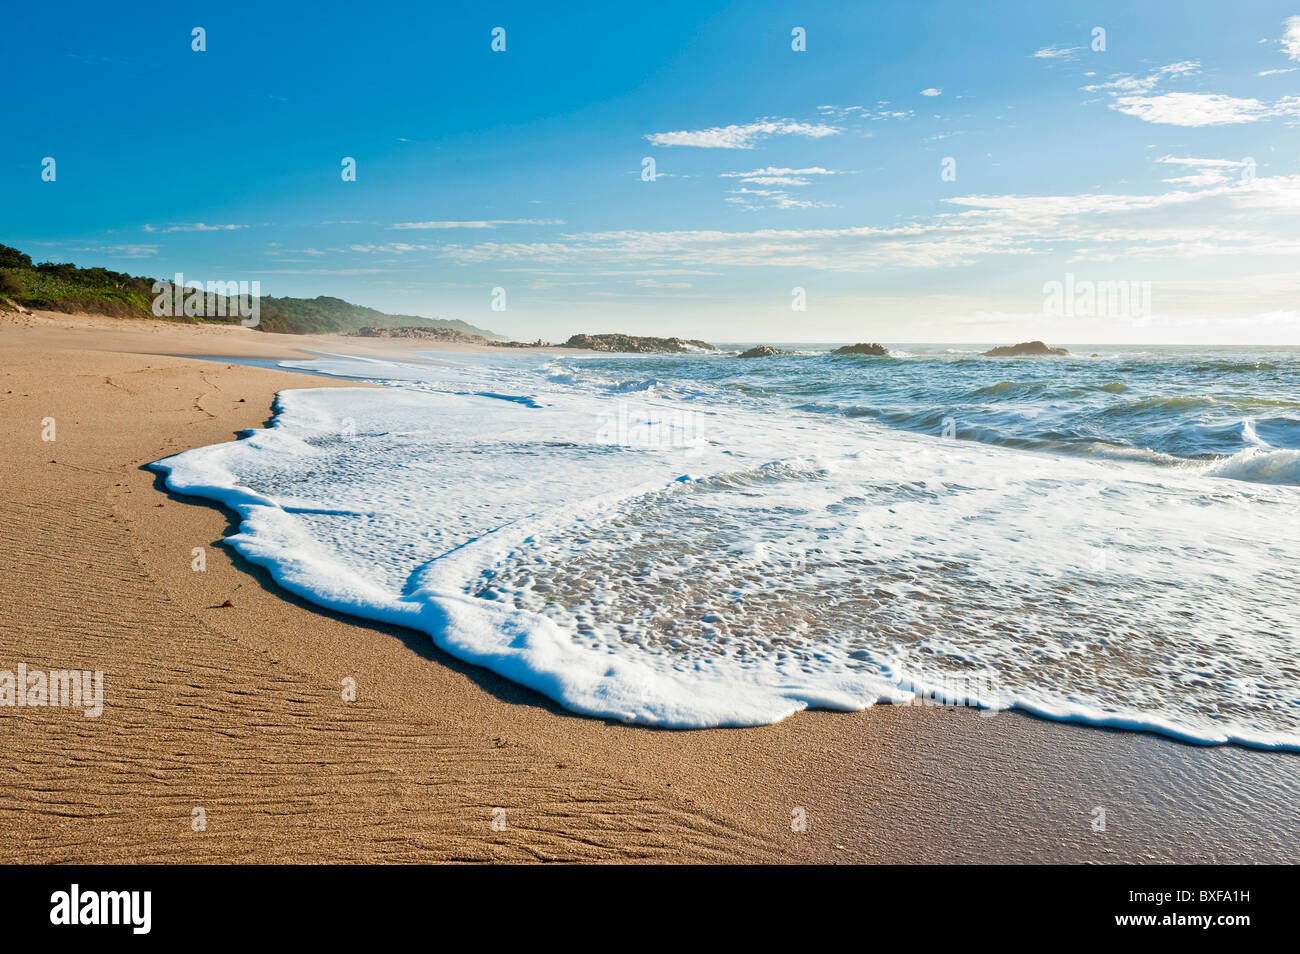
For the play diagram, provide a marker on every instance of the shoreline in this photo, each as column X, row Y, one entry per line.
column 237, row 710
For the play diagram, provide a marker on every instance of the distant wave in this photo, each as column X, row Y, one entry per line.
column 1260, row 465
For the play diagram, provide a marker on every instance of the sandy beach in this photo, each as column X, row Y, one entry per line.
column 238, row 709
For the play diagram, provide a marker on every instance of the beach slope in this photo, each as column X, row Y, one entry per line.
column 227, row 734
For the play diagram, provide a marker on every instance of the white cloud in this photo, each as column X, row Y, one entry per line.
column 391, row 248
column 1230, row 219
column 280, row 252
column 751, row 199
column 782, row 171
column 1205, row 172
column 656, row 283
column 1129, row 83
column 1193, row 109
column 1055, row 52
column 474, row 224
column 880, row 112
column 1291, row 37
column 194, row 227
column 1290, row 69
column 741, row 137
column 1137, row 96
column 116, row 251
column 932, row 91
column 774, row 175
column 340, row 272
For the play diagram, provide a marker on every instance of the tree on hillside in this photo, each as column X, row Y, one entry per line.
column 12, row 258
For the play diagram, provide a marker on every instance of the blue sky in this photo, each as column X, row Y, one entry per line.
column 1171, row 157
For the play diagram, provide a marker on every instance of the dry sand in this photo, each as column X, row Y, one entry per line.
column 239, row 711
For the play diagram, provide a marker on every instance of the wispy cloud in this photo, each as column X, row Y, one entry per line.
column 1132, row 83
column 774, row 175
column 932, row 91
column 741, row 136
column 656, row 283
column 1055, row 52
column 1199, row 109
column 1291, row 37
column 1204, row 172
column 297, row 251
column 474, row 223
column 751, row 199
column 776, row 180
column 780, row 177
column 883, row 110
column 339, row 272
column 193, row 227
column 1139, row 96
column 117, row 251
column 390, row 248
column 1230, row 219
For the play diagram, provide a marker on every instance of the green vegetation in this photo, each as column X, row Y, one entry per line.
column 308, row 315
column 68, row 288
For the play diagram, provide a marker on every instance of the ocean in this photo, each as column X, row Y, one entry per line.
column 701, row 540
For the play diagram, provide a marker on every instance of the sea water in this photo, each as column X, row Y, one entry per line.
column 703, row 540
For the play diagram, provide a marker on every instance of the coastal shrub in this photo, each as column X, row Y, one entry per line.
column 63, row 286
column 12, row 258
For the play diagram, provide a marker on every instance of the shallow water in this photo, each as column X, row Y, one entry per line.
column 702, row 540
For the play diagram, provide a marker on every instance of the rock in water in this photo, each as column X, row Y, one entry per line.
column 635, row 344
column 876, row 350
column 442, row 334
column 762, row 351
column 1021, row 349
column 420, row 331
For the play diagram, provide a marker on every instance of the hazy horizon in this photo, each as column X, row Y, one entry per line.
column 913, row 175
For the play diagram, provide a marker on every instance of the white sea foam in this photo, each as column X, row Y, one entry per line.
column 1260, row 464
column 770, row 562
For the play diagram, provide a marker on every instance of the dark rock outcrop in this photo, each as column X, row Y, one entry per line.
column 873, row 349
column 421, row 332
column 635, row 344
column 539, row 343
column 762, row 351
column 430, row 333
column 1024, row 348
